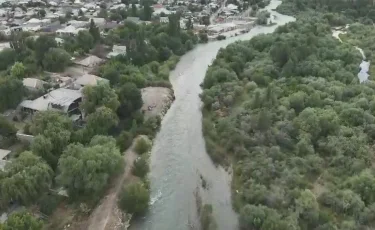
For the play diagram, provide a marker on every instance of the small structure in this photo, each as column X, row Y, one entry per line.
column 69, row 31
column 63, row 100
column 88, row 79
column 90, row 61
column 117, row 50
column 33, row 84
column 4, row 156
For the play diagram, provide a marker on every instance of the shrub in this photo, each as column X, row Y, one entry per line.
column 140, row 167
column 134, row 198
column 142, row 146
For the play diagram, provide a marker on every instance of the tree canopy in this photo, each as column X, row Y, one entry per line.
column 289, row 110
column 22, row 221
column 24, row 178
column 85, row 170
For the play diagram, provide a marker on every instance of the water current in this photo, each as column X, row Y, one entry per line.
column 179, row 157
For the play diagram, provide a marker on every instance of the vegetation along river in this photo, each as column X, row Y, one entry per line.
column 179, row 157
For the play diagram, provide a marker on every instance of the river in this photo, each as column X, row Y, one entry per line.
column 178, row 155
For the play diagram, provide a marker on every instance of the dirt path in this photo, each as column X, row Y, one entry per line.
column 106, row 215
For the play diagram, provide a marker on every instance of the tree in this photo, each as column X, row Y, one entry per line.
column 7, row 130
column 142, row 146
column 140, row 167
column 18, row 70
column 134, row 11
column 206, row 20
column 42, row 146
column 11, row 92
column 189, row 24
column 124, row 140
column 56, row 60
column 7, row 58
column 103, row 13
column 85, row 171
column 42, row 121
column 147, row 10
column 101, row 121
column 85, row 40
column 42, row 44
column 134, row 198
column 80, row 13
column 42, row 13
column 174, row 25
column 22, row 221
column 24, row 179
column 94, row 31
column 206, row 218
column 97, row 96
column 203, row 38
column 130, row 98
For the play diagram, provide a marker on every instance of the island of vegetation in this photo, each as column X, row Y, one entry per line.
column 287, row 111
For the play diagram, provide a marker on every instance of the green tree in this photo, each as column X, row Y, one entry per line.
column 56, row 60
column 22, row 221
column 124, row 140
column 11, row 92
column 130, row 98
column 85, row 40
column 7, row 58
column 24, row 179
column 140, row 167
column 42, row 13
column 134, row 11
column 85, row 171
column 189, row 24
column 134, row 198
column 142, row 145
column 174, row 25
column 18, row 70
column 42, row 146
column 147, row 10
column 94, row 31
column 7, row 131
column 101, row 121
column 97, row 96
column 42, row 44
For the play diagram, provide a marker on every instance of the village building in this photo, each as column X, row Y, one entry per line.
column 62, row 100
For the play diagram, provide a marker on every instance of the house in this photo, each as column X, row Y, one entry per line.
column 100, row 22
column 33, row 84
column 88, row 79
column 164, row 19
column 117, row 50
column 63, row 100
column 77, row 24
column 4, row 157
column 90, row 61
column 69, row 31
column 160, row 9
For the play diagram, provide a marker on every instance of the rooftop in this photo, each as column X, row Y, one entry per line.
column 89, row 79
column 61, row 97
column 4, row 153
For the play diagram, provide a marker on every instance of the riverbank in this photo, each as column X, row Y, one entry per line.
column 276, row 106
column 179, row 155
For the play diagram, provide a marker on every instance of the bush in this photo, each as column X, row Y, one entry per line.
column 207, row 220
column 140, row 167
column 124, row 140
column 134, row 199
column 142, row 146
column 48, row 204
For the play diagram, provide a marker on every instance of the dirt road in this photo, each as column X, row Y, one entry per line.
column 107, row 215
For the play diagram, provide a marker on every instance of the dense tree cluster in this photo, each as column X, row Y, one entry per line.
column 22, row 221
column 289, row 109
column 86, row 170
column 362, row 10
column 24, row 179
